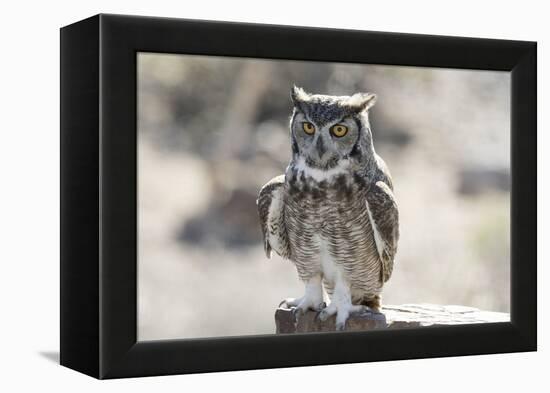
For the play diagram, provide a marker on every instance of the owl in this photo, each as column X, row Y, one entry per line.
column 333, row 212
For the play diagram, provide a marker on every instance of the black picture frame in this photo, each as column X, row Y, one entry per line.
column 98, row 195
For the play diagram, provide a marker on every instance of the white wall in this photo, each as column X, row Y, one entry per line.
column 29, row 154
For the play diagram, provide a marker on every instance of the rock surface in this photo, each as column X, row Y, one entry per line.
column 391, row 317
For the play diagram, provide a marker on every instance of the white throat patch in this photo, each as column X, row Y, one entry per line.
column 321, row 174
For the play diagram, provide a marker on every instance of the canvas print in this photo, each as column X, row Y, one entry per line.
column 284, row 197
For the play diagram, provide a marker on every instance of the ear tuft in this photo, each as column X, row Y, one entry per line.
column 298, row 94
column 362, row 101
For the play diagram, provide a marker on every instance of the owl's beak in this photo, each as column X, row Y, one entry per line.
column 321, row 147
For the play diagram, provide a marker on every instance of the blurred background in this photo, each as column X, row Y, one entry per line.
column 213, row 130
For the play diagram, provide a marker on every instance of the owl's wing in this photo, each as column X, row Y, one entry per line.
column 384, row 218
column 271, row 210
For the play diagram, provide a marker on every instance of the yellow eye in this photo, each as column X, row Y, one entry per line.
column 308, row 128
column 339, row 130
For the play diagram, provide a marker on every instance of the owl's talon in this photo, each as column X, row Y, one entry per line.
column 290, row 302
column 297, row 311
column 340, row 326
column 326, row 313
column 322, row 316
column 320, row 307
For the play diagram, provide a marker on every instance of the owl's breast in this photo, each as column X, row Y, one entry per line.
column 333, row 213
column 339, row 201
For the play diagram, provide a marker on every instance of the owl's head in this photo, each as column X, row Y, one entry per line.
column 327, row 129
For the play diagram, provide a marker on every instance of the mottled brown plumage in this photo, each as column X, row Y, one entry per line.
column 333, row 213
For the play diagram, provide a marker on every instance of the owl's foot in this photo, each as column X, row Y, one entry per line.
column 302, row 304
column 312, row 299
column 340, row 303
column 342, row 311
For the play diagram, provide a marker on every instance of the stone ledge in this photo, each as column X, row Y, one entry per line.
column 390, row 317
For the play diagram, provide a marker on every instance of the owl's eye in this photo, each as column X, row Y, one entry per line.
column 339, row 130
column 308, row 128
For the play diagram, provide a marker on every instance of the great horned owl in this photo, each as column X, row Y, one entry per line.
column 333, row 212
